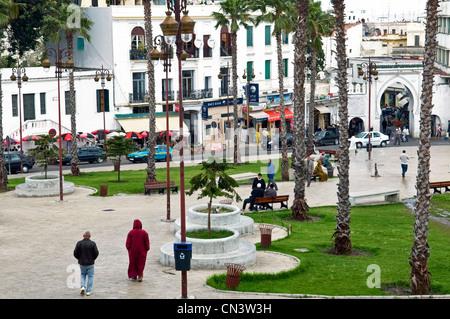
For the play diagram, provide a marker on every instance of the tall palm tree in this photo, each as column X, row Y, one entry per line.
column 234, row 13
column 151, row 166
column 281, row 14
column 320, row 24
column 299, row 207
column 56, row 23
column 342, row 242
column 8, row 10
column 420, row 281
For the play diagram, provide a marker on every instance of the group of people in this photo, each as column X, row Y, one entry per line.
column 400, row 135
column 86, row 252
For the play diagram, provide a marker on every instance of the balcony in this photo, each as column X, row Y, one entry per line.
column 138, row 98
column 136, row 54
column 225, row 51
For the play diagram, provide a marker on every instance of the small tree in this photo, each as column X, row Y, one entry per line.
column 213, row 182
column 116, row 147
column 44, row 151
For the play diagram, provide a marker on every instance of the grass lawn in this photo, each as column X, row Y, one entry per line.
column 381, row 235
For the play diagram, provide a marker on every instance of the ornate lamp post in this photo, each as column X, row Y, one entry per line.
column 369, row 72
column 19, row 78
column 104, row 74
column 165, row 57
column 220, row 76
column 249, row 77
column 176, row 31
column 59, row 54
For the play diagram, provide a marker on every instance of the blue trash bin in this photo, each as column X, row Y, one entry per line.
column 183, row 255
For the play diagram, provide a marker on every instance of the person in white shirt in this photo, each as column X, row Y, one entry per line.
column 404, row 162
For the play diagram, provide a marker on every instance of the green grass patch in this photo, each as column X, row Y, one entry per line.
column 381, row 235
column 213, row 234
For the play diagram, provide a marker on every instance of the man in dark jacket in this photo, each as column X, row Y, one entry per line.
column 256, row 192
column 86, row 252
column 259, row 180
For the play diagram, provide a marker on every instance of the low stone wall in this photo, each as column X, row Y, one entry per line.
column 38, row 186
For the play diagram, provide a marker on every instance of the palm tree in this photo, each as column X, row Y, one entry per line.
column 234, row 13
column 299, row 207
column 281, row 14
column 151, row 166
column 319, row 24
column 55, row 23
column 8, row 10
column 420, row 281
column 342, row 242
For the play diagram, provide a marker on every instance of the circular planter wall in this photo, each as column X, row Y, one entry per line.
column 38, row 186
column 212, row 253
column 234, row 219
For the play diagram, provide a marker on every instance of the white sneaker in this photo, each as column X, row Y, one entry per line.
column 89, row 293
column 82, row 291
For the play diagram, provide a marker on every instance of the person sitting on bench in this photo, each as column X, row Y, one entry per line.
column 270, row 192
column 258, row 191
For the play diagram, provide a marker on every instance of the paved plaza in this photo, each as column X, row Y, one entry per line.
column 38, row 235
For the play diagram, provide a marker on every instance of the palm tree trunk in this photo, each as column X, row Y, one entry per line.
column 420, row 281
column 342, row 240
column 75, row 169
column 3, row 171
column 151, row 166
column 310, row 141
column 236, row 156
column 300, row 207
column 284, row 157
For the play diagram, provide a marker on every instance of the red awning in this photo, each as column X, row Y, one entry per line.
column 275, row 115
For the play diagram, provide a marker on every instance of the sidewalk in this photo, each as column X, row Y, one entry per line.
column 38, row 235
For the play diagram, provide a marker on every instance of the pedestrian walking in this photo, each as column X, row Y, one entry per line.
column 404, row 162
column 309, row 170
column 86, row 252
column 405, row 133
column 439, row 131
column 137, row 244
column 397, row 137
column 352, row 145
column 271, row 174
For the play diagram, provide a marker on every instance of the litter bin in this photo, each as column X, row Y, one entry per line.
column 266, row 235
column 330, row 171
column 103, row 189
column 183, row 255
column 233, row 275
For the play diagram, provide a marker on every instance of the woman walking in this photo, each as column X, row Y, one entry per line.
column 137, row 245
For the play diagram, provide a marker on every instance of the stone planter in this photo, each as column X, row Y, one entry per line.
column 37, row 186
column 212, row 253
column 234, row 219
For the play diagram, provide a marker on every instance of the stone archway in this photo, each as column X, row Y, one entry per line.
column 397, row 104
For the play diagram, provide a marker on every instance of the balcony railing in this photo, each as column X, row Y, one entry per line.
column 138, row 98
column 136, row 54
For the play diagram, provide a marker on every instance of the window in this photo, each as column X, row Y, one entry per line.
column 169, row 87
column 42, row 102
column 286, row 65
column 416, row 40
column 187, row 82
column 137, row 38
column 102, row 100
column 284, row 37
column 224, row 82
column 268, row 35
column 225, row 42
column 207, row 51
column 138, row 87
column 28, row 107
column 80, row 44
column 250, row 36
column 249, row 70
column 267, row 70
column 15, row 108
column 67, row 101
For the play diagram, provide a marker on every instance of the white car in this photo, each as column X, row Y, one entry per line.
column 376, row 139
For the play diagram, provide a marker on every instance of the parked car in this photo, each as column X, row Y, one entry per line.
column 89, row 154
column 326, row 137
column 272, row 144
column 12, row 161
column 376, row 139
column 142, row 155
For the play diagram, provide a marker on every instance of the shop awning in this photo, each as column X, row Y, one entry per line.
column 276, row 116
column 259, row 116
column 322, row 109
column 142, row 124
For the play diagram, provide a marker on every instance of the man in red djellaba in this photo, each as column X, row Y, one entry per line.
column 137, row 244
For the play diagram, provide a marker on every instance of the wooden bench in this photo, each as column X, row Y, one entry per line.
column 436, row 186
column 160, row 186
column 331, row 152
column 390, row 195
column 265, row 201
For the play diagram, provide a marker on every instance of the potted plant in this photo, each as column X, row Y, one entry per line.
column 213, row 181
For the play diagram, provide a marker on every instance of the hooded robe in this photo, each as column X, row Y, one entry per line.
column 137, row 245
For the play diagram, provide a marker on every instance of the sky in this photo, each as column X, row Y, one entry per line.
column 396, row 9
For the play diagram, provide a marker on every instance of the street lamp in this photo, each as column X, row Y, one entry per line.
column 220, row 76
column 59, row 54
column 177, row 30
column 19, row 78
column 368, row 71
column 165, row 57
column 104, row 74
column 249, row 77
